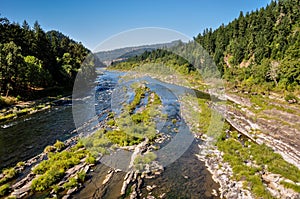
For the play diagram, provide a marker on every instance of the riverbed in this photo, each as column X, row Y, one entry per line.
column 184, row 177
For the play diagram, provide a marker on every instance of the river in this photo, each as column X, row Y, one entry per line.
column 27, row 136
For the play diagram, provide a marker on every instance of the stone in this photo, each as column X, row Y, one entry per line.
column 163, row 195
column 86, row 168
column 70, row 191
column 150, row 188
column 65, row 196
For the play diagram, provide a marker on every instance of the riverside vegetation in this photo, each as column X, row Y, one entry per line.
column 258, row 56
column 265, row 74
column 35, row 63
column 65, row 166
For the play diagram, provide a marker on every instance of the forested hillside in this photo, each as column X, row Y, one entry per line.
column 259, row 48
column 32, row 59
column 257, row 52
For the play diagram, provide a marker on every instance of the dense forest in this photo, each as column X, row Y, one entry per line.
column 257, row 52
column 259, row 48
column 32, row 59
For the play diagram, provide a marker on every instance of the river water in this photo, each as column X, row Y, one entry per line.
column 184, row 176
column 27, row 136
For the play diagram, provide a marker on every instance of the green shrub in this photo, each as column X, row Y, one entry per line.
column 291, row 186
column 49, row 149
column 145, row 159
column 111, row 122
column 4, row 189
column 59, row 145
column 44, row 181
column 3, row 180
column 9, row 173
column 72, row 183
column 20, row 164
column 291, row 98
column 79, row 145
column 63, row 160
column 90, row 160
column 81, row 176
column 56, row 188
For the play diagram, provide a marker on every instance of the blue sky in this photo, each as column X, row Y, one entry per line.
column 93, row 21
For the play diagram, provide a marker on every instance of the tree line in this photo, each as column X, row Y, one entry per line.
column 31, row 58
column 259, row 48
column 257, row 52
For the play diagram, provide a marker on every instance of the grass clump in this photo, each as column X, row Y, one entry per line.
column 20, row 164
column 123, row 139
column 53, row 169
column 72, row 183
column 90, row 160
column 10, row 172
column 97, row 142
column 49, row 149
column 81, row 176
column 291, row 186
column 141, row 160
column 236, row 155
column 4, row 189
column 44, row 181
column 59, row 145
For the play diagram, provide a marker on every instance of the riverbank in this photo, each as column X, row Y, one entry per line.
column 30, row 107
column 242, row 165
column 236, row 178
column 251, row 118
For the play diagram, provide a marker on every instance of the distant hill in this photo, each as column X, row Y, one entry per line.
column 124, row 53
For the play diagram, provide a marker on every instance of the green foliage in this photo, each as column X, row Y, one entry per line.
column 30, row 57
column 90, row 160
column 44, row 181
column 123, row 139
column 49, row 149
column 141, row 160
column 133, row 128
column 96, row 143
column 62, row 160
column 54, row 168
column 291, row 186
column 56, row 188
column 237, row 154
column 59, row 145
column 139, row 95
column 4, row 189
column 81, row 176
column 10, row 172
column 72, row 183
column 111, row 122
column 291, row 97
column 20, row 164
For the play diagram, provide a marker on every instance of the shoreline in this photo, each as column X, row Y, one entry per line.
column 26, row 108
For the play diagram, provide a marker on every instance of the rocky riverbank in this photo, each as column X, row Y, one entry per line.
column 31, row 107
column 221, row 170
